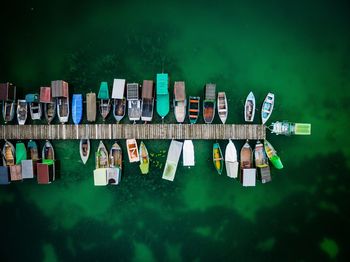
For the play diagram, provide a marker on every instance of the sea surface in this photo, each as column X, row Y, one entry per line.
column 299, row 50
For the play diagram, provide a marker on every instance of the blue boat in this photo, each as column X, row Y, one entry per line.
column 77, row 108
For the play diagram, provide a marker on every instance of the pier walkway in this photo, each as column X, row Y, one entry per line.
column 138, row 131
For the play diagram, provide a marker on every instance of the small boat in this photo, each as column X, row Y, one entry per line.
column 8, row 154
column 33, row 150
column 134, row 102
column 115, row 156
column 22, row 111
column 91, row 107
column 21, row 153
column 105, row 103
column 193, row 108
column 8, row 96
column 49, row 106
column 172, row 160
column 267, row 107
column 133, row 151
column 272, row 155
column 218, row 159
column 180, row 101
column 119, row 102
column 48, row 153
column 77, row 108
column 222, row 106
column 209, row 103
column 246, row 156
column 287, row 128
column 261, row 159
column 8, row 111
column 147, row 102
column 249, row 108
column 188, row 154
column 60, row 91
column 84, row 149
column 231, row 161
column 144, row 159
column 101, row 156
column 163, row 106
column 34, row 106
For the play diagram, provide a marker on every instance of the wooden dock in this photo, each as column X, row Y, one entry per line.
column 138, row 131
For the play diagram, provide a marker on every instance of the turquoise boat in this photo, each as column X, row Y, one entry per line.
column 77, row 108
column 162, row 95
column 105, row 105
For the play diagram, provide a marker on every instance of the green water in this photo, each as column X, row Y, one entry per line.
column 299, row 51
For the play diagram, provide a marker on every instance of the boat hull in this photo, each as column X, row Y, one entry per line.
column 35, row 110
column 22, row 112
column 101, row 156
column 188, row 153
column 218, row 159
column 8, row 111
column 63, row 109
column 49, row 111
column 249, row 108
column 8, row 154
column 267, row 107
column 144, row 159
column 105, row 107
column 231, row 161
column 133, row 152
column 193, row 109
column 84, row 150
column 119, row 107
column 208, row 111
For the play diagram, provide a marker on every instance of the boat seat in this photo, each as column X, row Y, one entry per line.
column 193, row 110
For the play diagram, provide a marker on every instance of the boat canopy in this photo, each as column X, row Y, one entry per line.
column 45, row 94
column 27, row 168
column 162, row 84
column 172, row 160
column 77, row 108
column 7, row 92
column 302, row 129
column 147, row 89
column 21, row 153
column 59, row 88
column 32, row 98
column 103, row 93
column 4, row 175
column 16, row 172
column 133, row 91
column 100, row 177
column 118, row 88
column 45, row 173
column 188, row 153
column 179, row 91
column 210, row 90
column 91, row 106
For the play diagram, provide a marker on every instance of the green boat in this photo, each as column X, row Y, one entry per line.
column 218, row 159
column 144, row 159
column 162, row 95
column 21, row 153
column 272, row 155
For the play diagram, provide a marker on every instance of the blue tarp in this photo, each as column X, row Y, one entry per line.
column 77, row 108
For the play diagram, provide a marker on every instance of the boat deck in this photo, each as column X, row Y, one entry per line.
column 138, row 131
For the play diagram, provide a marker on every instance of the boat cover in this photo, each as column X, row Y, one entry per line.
column 147, row 89
column 91, row 107
column 162, row 84
column 77, row 108
column 265, row 174
column 4, row 175
column 16, row 172
column 172, row 160
column 100, row 177
column 302, row 129
column 132, row 91
column 103, row 93
column 45, row 94
column 45, row 173
column 7, row 92
column 118, row 88
column 113, row 175
column 249, row 177
column 188, row 153
column 21, row 153
column 179, row 91
column 59, row 88
column 27, row 169
column 31, row 98
column 210, row 90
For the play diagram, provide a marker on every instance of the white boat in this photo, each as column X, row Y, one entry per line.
column 188, row 154
column 180, row 101
column 133, row 151
column 48, row 152
column 134, row 102
column 34, row 106
column 119, row 101
column 231, row 161
column 101, row 156
column 22, row 110
column 63, row 109
column 267, row 107
column 172, row 160
column 249, row 108
column 222, row 107
column 60, row 91
column 84, row 149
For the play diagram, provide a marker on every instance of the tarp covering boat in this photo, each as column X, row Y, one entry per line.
column 302, row 129
column 4, row 175
column 16, row 172
column 179, row 90
column 210, row 92
column 77, row 108
column 147, row 100
column 32, row 98
column 91, row 107
column 162, row 95
column 113, row 176
column 118, row 88
column 45, row 94
column 134, row 103
column 100, row 177
column 147, row 89
column 188, row 153
column 7, row 92
column 103, row 93
column 231, row 161
column 133, row 91
column 265, row 174
column 59, row 88
column 172, row 160
column 45, row 173
column 249, row 177
column 21, row 153
column 27, row 169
